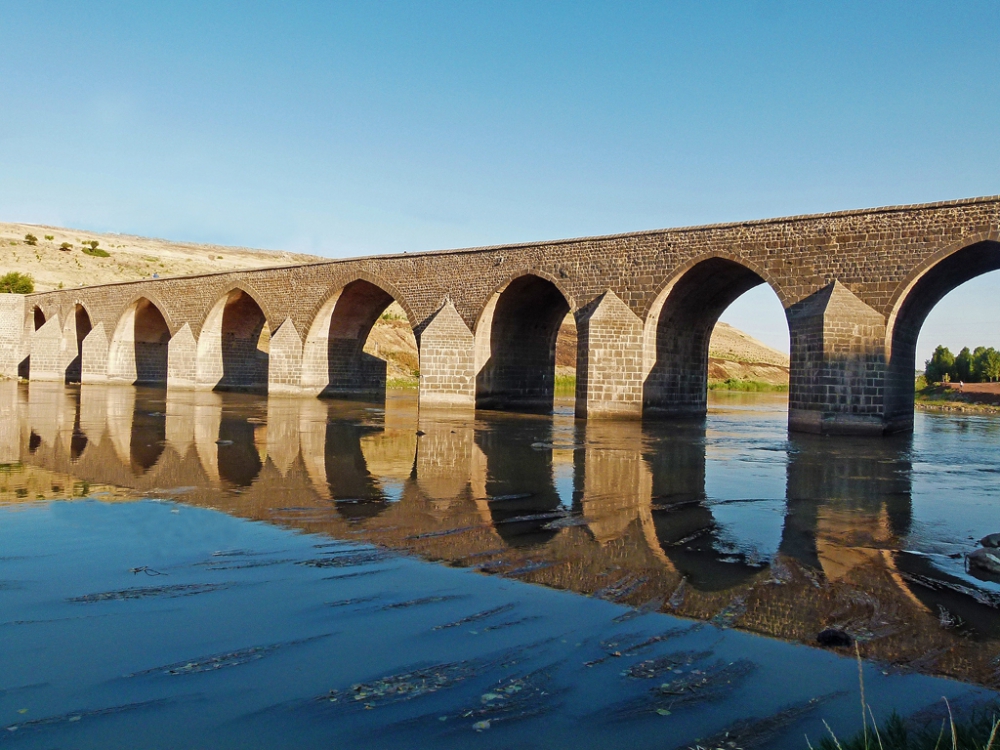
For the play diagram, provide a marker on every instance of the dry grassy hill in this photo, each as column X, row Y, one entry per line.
column 734, row 355
column 129, row 258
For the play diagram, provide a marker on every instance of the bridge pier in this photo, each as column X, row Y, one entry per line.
column 447, row 361
column 609, row 372
column 837, row 377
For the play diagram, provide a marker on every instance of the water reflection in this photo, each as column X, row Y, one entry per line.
column 619, row 510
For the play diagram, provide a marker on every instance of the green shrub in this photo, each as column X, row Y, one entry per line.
column 50, row 236
column 66, row 246
column 96, row 252
column 17, row 283
column 30, row 239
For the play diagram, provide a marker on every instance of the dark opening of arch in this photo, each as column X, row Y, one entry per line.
column 686, row 528
column 245, row 344
column 932, row 287
column 351, row 371
column 677, row 385
column 520, row 372
column 24, row 366
column 74, row 372
column 149, row 436
column 355, row 492
column 522, row 497
column 239, row 459
column 152, row 339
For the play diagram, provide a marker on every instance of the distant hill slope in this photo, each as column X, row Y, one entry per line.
column 130, row 258
column 734, row 354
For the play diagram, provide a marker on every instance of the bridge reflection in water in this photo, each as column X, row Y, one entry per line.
column 620, row 510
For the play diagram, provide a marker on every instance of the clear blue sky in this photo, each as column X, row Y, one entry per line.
column 354, row 128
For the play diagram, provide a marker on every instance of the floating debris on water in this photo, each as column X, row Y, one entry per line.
column 346, row 560
column 143, row 592
column 620, row 588
column 475, row 617
column 653, row 668
column 404, row 686
column 355, row 600
column 708, row 683
column 85, row 713
column 215, row 662
column 423, row 600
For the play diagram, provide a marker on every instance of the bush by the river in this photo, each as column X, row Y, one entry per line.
column 16, row 283
column 979, row 366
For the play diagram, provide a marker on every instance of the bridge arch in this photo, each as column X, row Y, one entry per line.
column 139, row 346
column 515, row 342
column 924, row 288
column 337, row 358
column 234, row 344
column 679, row 325
column 82, row 324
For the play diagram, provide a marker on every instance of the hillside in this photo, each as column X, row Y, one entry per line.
column 129, row 258
column 733, row 354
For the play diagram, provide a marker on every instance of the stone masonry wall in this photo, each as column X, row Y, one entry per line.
column 875, row 255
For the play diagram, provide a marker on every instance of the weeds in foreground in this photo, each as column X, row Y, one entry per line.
column 979, row 731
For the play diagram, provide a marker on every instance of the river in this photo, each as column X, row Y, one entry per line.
column 223, row 570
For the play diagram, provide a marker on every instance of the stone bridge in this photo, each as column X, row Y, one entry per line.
column 856, row 287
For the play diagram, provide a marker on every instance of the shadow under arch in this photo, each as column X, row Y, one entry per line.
column 234, row 345
column 334, row 360
column 926, row 287
column 37, row 321
column 82, row 325
column 148, row 437
column 520, row 492
column 685, row 527
column 515, row 348
column 139, row 347
column 679, row 327
column 356, row 494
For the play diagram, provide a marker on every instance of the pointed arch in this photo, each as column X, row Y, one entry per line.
column 515, row 343
column 234, row 345
column 913, row 301
column 138, row 352
column 679, row 324
column 334, row 360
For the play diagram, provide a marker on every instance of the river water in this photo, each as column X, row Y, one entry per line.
column 222, row 570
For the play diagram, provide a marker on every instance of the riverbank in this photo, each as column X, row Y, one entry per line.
column 970, row 397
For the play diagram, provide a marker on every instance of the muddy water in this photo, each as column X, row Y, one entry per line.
column 209, row 570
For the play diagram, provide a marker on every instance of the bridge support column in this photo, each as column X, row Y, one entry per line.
column 182, row 359
column 49, row 352
column 447, row 361
column 609, row 372
column 94, row 365
column 284, row 372
column 11, row 334
column 837, row 383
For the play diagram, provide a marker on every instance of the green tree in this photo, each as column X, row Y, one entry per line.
column 941, row 364
column 30, row 239
column 990, row 367
column 963, row 366
column 16, row 283
column 978, row 362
